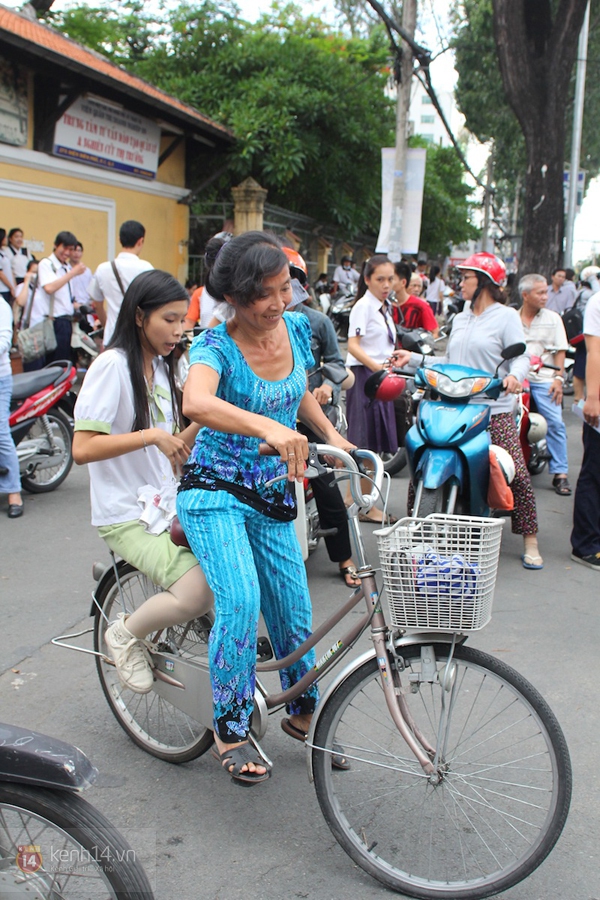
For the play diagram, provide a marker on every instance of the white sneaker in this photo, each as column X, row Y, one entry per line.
column 131, row 657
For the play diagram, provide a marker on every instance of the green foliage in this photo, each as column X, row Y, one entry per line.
column 307, row 105
column 446, row 206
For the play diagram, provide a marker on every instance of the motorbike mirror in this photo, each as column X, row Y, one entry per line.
column 513, row 351
column 409, row 342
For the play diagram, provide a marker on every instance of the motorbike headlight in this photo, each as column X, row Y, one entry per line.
column 465, row 387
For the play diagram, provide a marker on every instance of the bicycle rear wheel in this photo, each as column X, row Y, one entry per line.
column 151, row 721
column 505, row 777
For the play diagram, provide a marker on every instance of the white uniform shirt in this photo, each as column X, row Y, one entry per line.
column 546, row 330
column 80, row 286
column 6, row 336
column 49, row 270
column 104, row 285
column 591, row 316
column 19, row 260
column 6, row 266
column 105, row 404
column 369, row 324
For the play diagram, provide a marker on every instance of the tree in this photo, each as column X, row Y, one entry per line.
column 447, row 209
column 535, row 44
column 307, row 105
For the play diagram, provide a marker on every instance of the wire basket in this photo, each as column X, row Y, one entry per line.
column 440, row 572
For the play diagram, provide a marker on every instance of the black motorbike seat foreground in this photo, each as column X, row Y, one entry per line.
column 27, row 383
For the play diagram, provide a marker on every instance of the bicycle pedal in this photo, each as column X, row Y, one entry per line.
column 264, row 651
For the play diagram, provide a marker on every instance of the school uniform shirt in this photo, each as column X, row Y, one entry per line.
column 105, row 404
column 374, row 325
column 546, row 330
column 104, row 285
column 49, row 269
column 19, row 260
column 80, row 286
column 6, row 266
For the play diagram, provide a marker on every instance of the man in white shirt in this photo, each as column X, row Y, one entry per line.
column 54, row 296
column 346, row 273
column 585, row 537
column 545, row 337
column 111, row 279
column 80, row 283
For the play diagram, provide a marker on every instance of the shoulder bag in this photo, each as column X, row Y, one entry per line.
column 39, row 340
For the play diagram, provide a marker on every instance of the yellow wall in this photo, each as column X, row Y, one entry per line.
column 165, row 220
column 172, row 170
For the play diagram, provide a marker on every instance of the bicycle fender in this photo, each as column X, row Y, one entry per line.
column 105, row 578
column 438, row 465
column 403, row 641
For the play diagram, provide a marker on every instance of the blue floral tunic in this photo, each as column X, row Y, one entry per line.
column 231, row 462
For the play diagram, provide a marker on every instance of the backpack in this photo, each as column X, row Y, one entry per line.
column 573, row 322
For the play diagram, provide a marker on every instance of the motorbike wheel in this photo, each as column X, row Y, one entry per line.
column 434, row 500
column 52, row 462
column 504, row 785
column 78, row 853
column 394, row 462
column 151, row 722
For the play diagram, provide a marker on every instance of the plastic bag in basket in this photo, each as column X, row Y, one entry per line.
column 452, row 577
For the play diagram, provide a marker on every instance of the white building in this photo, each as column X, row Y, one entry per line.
column 423, row 116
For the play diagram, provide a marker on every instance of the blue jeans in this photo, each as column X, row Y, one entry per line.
column 10, row 483
column 557, row 433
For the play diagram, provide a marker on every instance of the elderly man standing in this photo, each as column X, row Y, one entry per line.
column 545, row 336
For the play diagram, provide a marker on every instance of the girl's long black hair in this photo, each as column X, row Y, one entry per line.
column 147, row 292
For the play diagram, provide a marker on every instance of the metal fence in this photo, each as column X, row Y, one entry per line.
column 282, row 222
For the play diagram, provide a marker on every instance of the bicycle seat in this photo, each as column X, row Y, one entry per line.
column 178, row 535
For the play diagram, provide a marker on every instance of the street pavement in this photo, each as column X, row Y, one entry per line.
column 201, row 836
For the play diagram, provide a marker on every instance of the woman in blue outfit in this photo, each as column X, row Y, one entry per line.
column 248, row 384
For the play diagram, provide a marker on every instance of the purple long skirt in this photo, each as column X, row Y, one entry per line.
column 371, row 423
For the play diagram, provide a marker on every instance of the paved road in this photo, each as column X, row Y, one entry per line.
column 200, row 835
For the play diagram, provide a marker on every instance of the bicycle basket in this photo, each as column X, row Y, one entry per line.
column 440, row 572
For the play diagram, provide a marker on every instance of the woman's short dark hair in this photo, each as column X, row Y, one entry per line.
column 496, row 293
column 14, row 231
column 30, row 264
column 241, row 265
column 147, row 293
column 368, row 267
column 2, row 234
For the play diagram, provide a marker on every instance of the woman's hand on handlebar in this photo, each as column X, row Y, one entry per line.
column 511, row 385
column 174, row 448
column 291, row 446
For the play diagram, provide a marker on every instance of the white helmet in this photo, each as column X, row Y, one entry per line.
column 588, row 272
column 505, row 462
column 538, row 428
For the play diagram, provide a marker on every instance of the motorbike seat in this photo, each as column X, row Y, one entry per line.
column 27, row 383
column 178, row 535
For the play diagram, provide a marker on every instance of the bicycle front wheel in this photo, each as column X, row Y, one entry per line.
column 504, row 776
column 151, row 721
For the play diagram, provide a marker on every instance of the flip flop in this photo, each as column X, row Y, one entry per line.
column 338, row 760
column 531, row 561
column 561, row 486
column 387, row 520
column 239, row 756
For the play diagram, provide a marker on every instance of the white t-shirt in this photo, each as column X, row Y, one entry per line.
column 369, row 324
column 19, row 260
column 104, row 285
column 49, row 270
column 6, row 266
column 591, row 316
column 546, row 330
column 105, row 404
column 346, row 276
column 80, row 286
column 433, row 291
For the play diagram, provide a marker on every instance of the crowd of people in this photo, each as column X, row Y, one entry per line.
column 255, row 377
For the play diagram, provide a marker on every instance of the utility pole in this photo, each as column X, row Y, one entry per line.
column 487, row 201
column 409, row 24
column 576, row 137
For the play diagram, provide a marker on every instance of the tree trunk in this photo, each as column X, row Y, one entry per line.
column 536, row 55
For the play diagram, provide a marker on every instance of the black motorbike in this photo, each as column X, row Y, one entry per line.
column 53, row 844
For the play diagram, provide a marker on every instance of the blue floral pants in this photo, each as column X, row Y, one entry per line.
column 253, row 564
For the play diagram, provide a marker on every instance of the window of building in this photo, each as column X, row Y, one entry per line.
column 427, row 120
column 426, row 100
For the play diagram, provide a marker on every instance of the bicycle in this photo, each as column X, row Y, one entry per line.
column 460, row 777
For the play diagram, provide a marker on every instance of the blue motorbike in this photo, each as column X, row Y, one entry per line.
column 448, row 446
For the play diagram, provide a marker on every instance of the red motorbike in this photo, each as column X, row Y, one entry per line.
column 532, row 426
column 40, row 422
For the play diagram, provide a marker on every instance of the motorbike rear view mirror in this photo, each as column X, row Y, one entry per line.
column 513, row 351
column 410, row 342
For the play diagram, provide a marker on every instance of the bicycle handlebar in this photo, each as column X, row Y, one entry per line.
column 364, row 501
